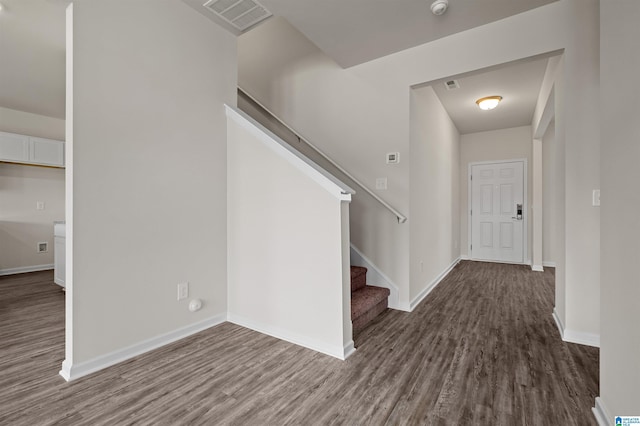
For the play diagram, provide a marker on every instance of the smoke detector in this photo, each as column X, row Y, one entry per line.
column 439, row 7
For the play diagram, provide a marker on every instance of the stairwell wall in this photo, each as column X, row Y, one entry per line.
column 287, row 246
column 288, row 74
column 435, row 187
column 370, row 214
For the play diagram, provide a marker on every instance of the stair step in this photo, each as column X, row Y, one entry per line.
column 358, row 277
column 366, row 304
column 363, row 320
column 366, row 298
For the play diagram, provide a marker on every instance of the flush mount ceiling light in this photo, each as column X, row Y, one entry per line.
column 439, row 7
column 490, row 102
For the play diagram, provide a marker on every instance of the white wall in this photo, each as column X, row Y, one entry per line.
column 620, row 292
column 26, row 123
column 548, row 196
column 287, row 73
column 21, row 186
column 504, row 144
column 581, row 81
column 360, row 113
column 367, row 217
column 434, row 206
column 560, row 154
column 288, row 249
column 357, row 114
column 147, row 83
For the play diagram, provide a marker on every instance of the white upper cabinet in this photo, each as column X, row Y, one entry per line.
column 46, row 151
column 14, row 147
column 31, row 150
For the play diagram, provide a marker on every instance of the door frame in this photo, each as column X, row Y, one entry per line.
column 525, row 208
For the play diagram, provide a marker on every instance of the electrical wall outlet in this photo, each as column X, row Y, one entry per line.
column 183, row 291
column 43, row 247
column 381, row 183
column 39, row 205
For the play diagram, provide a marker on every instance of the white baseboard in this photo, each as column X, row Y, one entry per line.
column 376, row 277
column 537, row 268
column 548, row 264
column 22, row 270
column 349, row 349
column 558, row 322
column 572, row 336
column 464, row 257
column 430, row 286
column 339, row 352
column 75, row 371
column 601, row 413
column 581, row 338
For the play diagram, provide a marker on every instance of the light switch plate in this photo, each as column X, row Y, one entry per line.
column 596, row 197
column 39, row 205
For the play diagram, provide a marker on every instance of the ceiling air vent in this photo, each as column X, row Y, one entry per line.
column 242, row 14
column 451, row 84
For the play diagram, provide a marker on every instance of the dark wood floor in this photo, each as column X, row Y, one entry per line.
column 482, row 349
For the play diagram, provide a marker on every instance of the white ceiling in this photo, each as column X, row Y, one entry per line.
column 357, row 31
column 518, row 84
column 32, row 48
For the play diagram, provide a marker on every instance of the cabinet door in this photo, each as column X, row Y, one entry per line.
column 46, row 151
column 14, row 147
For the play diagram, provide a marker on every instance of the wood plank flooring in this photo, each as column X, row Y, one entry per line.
column 481, row 349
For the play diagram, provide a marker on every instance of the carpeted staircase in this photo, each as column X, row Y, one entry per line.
column 367, row 302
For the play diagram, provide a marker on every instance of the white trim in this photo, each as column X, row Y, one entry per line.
column 525, row 207
column 340, row 352
column 377, row 278
column 503, row 262
column 572, row 336
column 325, row 179
column 24, row 269
column 401, row 218
column 464, row 257
column 558, row 322
column 601, row 413
column 349, row 349
column 548, row 264
column 537, row 268
column 430, row 286
column 581, row 338
column 75, row 371
column 65, row 372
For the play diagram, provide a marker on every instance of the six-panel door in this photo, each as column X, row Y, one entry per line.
column 496, row 228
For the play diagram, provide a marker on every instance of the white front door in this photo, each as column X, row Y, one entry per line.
column 497, row 212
